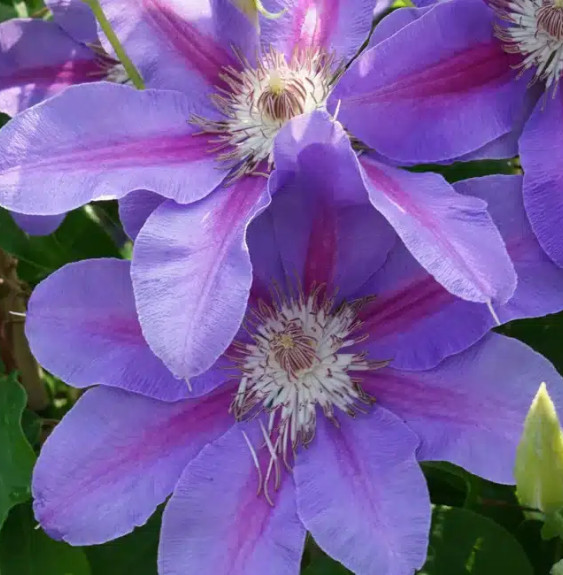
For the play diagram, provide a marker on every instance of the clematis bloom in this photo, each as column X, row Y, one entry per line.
column 39, row 59
column 348, row 348
column 204, row 139
column 517, row 46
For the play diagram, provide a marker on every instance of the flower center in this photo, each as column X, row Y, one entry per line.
column 256, row 102
column 298, row 360
column 535, row 31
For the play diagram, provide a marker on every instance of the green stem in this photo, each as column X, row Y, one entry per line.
column 21, row 8
column 116, row 44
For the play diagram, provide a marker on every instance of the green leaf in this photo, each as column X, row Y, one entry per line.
column 135, row 553
column 16, row 455
column 324, row 565
column 465, row 543
column 25, row 550
column 80, row 236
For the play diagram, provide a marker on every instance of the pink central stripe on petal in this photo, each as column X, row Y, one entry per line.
column 314, row 22
column 67, row 74
column 470, row 70
column 200, row 52
column 397, row 311
column 146, row 152
column 321, row 252
column 406, row 396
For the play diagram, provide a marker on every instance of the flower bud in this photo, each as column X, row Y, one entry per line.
column 539, row 457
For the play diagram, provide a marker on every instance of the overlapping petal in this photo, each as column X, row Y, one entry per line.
column 128, row 140
column 76, row 18
column 29, row 75
column 325, row 228
column 452, row 236
column 362, row 495
column 135, row 208
column 192, row 274
column 82, row 326
column 38, row 225
column 115, row 457
column 216, row 523
column 182, row 45
column 451, row 95
column 470, row 409
column 541, row 153
column 339, row 27
column 416, row 323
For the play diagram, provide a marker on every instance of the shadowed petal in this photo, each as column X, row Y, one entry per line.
column 29, row 75
column 135, row 208
column 325, row 228
column 339, row 27
column 216, row 523
column 182, row 45
column 451, row 235
column 82, row 326
column 362, row 495
column 128, row 140
column 76, row 18
column 451, row 95
column 192, row 274
column 116, row 456
column 416, row 323
column 38, row 225
column 541, row 152
column 470, row 409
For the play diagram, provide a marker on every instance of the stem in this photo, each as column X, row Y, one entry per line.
column 116, row 44
column 14, row 348
column 21, row 8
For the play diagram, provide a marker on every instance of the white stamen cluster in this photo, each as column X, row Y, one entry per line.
column 535, row 31
column 296, row 363
column 256, row 102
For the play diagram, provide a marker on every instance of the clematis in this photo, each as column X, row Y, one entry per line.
column 518, row 46
column 39, row 59
column 348, row 348
column 204, row 139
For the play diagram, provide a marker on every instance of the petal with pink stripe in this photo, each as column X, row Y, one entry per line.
column 29, row 75
column 216, row 523
column 128, row 140
column 337, row 26
column 182, row 45
column 452, row 236
column 192, row 274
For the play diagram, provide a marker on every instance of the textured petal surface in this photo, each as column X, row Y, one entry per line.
column 362, row 495
column 326, row 229
column 38, row 225
column 192, row 274
column 135, row 208
column 182, row 45
column 541, row 153
column 82, row 326
column 216, row 523
column 394, row 22
column 128, row 140
column 76, row 18
column 29, row 75
column 337, row 26
column 451, row 235
column 451, row 95
column 470, row 409
column 416, row 323
column 115, row 457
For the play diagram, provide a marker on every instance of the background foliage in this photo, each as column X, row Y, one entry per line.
column 478, row 527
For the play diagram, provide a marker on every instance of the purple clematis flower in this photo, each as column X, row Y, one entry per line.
column 211, row 168
column 342, row 321
column 39, row 59
column 518, row 45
